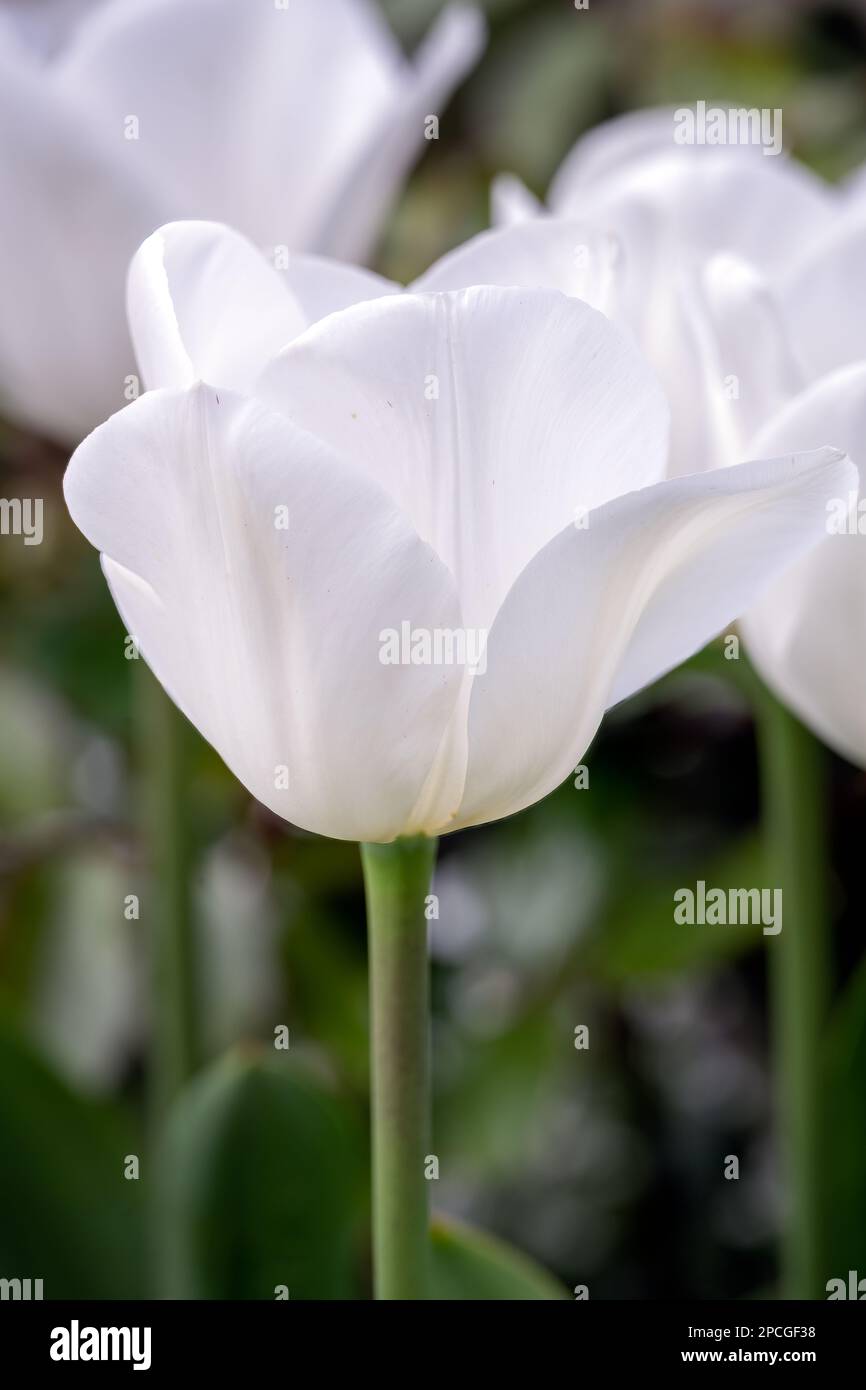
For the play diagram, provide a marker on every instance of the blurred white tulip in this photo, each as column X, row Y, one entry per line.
column 781, row 351
column 296, row 122
column 744, row 279
column 487, row 459
column 671, row 207
column 798, row 354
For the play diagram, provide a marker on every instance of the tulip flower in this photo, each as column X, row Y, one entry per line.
column 295, row 121
column 489, row 461
column 689, row 200
column 801, row 374
column 794, row 347
column 299, row 537
column 740, row 277
column 672, row 207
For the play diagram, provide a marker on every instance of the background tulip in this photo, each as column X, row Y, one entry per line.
column 296, row 122
column 672, row 207
column 791, row 341
column 804, row 635
column 739, row 276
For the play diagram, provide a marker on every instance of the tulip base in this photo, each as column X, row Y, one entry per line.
column 397, row 882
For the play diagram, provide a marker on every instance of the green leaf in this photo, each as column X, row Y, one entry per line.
column 68, row 1215
column 469, row 1264
column 260, row 1175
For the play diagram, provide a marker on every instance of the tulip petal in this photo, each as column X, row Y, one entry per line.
column 65, row 352
column 824, row 297
column 289, row 99
column 204, row 304
column 268, row 638
column 512, row 203
column 40, row 31
column 322, row 286
column 754, row 356
column 709, row 199
column 725, row 358
column 490, row 415
column 549, row 253
column 449, row 51
column 807, row 632
column 601, row 612
column 612, row 147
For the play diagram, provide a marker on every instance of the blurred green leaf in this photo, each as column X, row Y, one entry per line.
column 844, row 1157
column 488, row 1118
column 640, row 936
column 68, row 1215
column 259, row 1177
column 471, row 1265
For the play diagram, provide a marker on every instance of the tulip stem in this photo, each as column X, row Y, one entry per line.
column 793, row 772
column 167, row 909
column 397, row 881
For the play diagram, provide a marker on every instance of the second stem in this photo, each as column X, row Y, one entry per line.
column 795, row 796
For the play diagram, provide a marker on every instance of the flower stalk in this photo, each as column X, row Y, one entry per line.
column 794, row 797
column 397, row 881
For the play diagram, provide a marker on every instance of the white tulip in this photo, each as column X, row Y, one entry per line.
column 480, row 461
column 694, row 199
column 799, row 354
column 807, row 633
column 742, row 277
column 778, row 362
column 672, row 207
column 295, row 122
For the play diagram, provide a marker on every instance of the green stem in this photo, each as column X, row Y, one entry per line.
column 397, row 881
column 794, row 797
column 167, row 907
